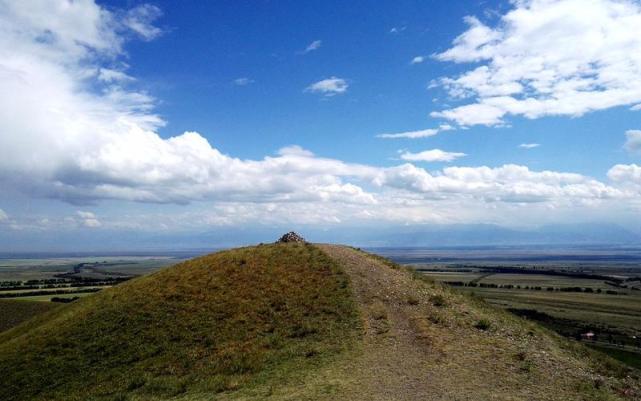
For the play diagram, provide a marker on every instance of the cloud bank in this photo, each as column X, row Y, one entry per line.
column 74, row 128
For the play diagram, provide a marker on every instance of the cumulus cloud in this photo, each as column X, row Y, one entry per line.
column 329, row 87
column 633, row 141
column 433, row 155
column 509, row 183
column 529, row 145
column 426, row 133
column 546, row 57
column 626, row 174
column 315, row 45
column 417, row 60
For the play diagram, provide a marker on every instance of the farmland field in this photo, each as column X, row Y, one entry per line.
column 573, row 292
column 29, row 284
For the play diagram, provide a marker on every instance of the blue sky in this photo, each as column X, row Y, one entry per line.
column 185, row 117
column 191, row 69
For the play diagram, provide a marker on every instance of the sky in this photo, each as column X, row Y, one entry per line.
column 124, row 120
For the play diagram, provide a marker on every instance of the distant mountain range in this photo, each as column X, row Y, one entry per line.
column 488, row 234
column 427, row 235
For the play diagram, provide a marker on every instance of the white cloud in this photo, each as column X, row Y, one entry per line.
column 633, row 141
column 625, row 173
column 417, row 60
column 140, row 19
column 243, row 81
column 529, row 145
column 109, row 75
column 397, row 29
column 88, row 219
column 315, row 45
column 627, row 177
column 3, row 216
column 509, row 183
column 329, row 87
column 63, row 139
column 426, row 133
column 433, row 155
column 411, row 134
column 547, row 57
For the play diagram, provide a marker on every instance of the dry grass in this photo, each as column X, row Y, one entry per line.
column 221, row 323
column 14, row 312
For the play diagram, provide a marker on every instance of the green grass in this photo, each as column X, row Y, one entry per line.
column 621, row 311
column 14, row 312
column 232, row 321
column 629, row 358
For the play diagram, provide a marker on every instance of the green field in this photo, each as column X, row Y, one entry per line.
column 615, row 319
column 44, row 279
column 48, row 268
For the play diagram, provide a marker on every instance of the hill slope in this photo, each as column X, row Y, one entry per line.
column 221, row 322
column 296, row 322
column 423, row 341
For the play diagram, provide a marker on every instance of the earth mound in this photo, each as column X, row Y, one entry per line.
column 221, row 323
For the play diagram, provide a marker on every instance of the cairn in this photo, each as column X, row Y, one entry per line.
column 291, row 237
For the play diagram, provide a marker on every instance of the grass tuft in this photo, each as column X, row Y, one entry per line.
column 483, row 324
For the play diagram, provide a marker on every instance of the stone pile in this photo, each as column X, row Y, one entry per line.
column 290, row 237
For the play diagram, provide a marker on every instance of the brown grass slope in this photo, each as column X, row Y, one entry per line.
column 230, row 322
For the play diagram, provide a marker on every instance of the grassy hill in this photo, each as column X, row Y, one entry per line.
column 296, row 322
column 14, row 312
column 221, row 322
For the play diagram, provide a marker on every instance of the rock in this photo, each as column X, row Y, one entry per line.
column 291, row 237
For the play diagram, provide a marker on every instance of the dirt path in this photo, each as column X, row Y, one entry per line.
column 395, row 356
column 420, row 343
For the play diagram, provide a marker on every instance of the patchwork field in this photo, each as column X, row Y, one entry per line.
column 29, row 285
column 572, row 306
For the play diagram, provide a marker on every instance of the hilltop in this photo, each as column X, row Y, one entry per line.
column 296, row 321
